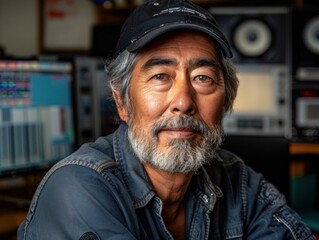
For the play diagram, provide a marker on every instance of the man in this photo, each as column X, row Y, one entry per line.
column 161, row 175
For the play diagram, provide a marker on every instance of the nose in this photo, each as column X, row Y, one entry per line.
column 183, row 99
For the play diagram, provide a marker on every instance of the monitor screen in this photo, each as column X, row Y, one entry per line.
column 36, row 115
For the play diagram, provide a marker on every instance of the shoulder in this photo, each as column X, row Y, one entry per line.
column 264, row 210
column 86, row 189
column 92, row 154
column 249, row 183
column 93, row 160
column 227, row 165
column 226, row 157
column 232, row 165
column 88, row 170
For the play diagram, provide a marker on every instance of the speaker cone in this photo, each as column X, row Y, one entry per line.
column 252, row 38
column 311, row 35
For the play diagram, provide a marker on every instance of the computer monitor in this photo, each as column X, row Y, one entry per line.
column 36, row 114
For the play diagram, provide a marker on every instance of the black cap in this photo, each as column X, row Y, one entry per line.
column 156, row 17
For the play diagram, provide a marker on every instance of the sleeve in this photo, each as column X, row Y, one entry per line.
column 78, row 203
column 268, row 214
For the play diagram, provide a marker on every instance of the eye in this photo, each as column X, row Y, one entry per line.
column 207, row 83
column 160, row 81
column 161, row 77
column 203, row 78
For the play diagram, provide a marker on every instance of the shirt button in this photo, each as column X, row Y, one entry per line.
column 205, row 198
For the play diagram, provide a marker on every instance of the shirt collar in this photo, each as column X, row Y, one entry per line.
column 205, row 190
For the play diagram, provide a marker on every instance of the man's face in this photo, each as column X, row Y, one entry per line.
column 177, row 96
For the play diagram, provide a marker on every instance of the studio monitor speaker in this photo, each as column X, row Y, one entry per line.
column 305, row 40
column 256, row 35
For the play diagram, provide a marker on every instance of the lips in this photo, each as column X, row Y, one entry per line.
column 181, row 127
column 178, row 132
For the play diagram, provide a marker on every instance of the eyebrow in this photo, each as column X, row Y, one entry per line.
column 159, row 62
column 203, row 62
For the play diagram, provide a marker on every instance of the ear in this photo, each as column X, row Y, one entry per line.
column 121, row 109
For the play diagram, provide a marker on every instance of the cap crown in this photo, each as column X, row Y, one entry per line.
column 155, row 18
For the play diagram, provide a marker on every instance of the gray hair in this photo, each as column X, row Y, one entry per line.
column 119, row 73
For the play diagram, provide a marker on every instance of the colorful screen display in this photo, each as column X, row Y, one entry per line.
column 36, row 115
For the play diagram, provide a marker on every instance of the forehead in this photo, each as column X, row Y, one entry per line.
column 184, row 42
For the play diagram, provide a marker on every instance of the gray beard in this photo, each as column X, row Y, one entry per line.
column 181, row 155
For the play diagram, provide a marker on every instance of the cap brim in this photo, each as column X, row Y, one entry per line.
column 151, row 35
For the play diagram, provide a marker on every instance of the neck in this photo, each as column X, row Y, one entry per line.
column 171, row 189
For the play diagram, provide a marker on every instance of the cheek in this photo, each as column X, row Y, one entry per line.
column 212, row 110
column 148, row 106
column 153, row 103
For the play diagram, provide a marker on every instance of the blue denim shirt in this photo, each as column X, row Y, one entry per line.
column 102, row 192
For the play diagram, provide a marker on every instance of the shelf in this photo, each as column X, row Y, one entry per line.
column 304, row 148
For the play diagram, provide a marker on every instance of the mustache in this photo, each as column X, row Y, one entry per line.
column 181, row 122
